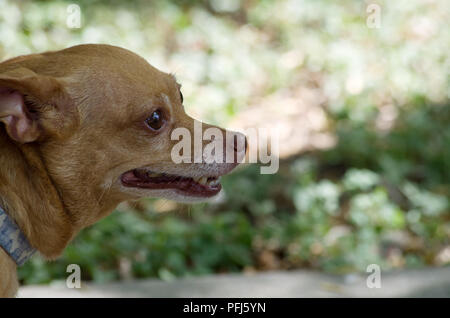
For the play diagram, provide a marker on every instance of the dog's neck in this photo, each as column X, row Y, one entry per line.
column 31, row 200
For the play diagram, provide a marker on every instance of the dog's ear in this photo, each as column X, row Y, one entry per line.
column 28, row 101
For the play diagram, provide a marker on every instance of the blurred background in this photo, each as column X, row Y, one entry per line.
column 364, row 115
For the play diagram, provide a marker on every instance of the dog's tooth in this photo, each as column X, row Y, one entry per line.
column 153, row 174
column 203, row 180
column 214, row 182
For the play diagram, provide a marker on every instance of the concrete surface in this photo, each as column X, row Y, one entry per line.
column 412, row 283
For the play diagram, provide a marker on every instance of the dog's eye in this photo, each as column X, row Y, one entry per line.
column 156, row 120
column 181, row 97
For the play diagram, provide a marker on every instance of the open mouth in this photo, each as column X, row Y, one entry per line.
column 146, row 179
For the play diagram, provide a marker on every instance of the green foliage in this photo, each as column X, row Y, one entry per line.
column 154, row 246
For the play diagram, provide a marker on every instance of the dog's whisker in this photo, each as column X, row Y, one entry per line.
column 105, row 190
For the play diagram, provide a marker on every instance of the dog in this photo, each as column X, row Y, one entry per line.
column 82, row 130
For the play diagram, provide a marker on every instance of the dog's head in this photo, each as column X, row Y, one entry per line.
column 105, row 125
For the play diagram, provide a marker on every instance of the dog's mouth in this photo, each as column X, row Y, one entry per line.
column 196, row 187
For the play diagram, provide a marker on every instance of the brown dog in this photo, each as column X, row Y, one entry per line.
column 84, row 129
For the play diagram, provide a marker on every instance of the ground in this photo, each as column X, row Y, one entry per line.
column 432, row 282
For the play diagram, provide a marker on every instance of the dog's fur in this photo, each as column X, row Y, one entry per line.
column 76, row 125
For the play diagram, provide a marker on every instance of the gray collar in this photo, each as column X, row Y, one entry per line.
column 13, row 241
